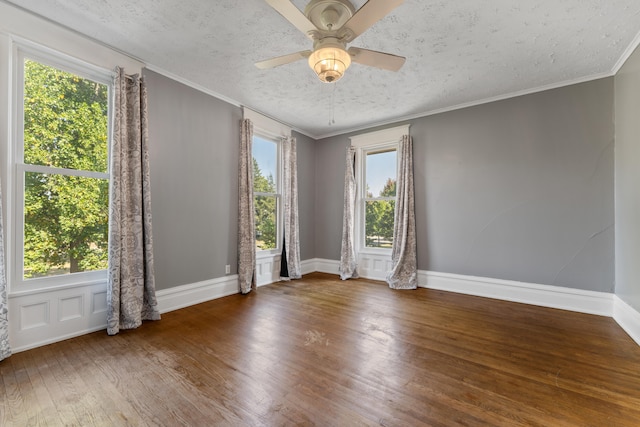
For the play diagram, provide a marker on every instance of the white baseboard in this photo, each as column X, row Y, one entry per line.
column 591, row 302
column 308, row 266
column 51, row 315
column 627, row 318
column 599, row 303
column 326, row 265
column 35, row 344
column 583, row 301
column 195, row 293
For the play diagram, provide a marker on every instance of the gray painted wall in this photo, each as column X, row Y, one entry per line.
column 627, row 180
column 520, row 189
column 193, row 154
column 329, row 195
column 193, row 158
column 306, row 194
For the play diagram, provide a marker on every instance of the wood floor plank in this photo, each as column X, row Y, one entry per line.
column 75, row 383
column 26, row 405
column 320, row 351
column 47, row 411
column 13, row 400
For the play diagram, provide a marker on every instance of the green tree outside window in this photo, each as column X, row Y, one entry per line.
column 379, row 217
column 65, row 213
column 266, row 209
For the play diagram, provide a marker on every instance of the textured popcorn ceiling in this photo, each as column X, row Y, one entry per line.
column 458, row 52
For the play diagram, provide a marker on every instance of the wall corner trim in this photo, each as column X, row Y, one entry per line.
column 627, row 318
column 330, row 266
column 308, row 266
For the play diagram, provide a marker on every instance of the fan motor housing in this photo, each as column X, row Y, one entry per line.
column 329, row 15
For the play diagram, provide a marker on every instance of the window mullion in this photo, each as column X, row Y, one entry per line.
column 23, row 167
column 258, row 193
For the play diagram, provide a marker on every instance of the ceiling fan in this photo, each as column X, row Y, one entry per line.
column 331, row 24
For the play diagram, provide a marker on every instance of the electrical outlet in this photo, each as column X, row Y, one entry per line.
column 227, row 269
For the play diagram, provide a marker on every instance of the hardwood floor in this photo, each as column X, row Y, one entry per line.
column 320, row 351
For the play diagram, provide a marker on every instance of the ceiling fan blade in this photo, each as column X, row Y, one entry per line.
column 372, row 58
column 282, row 60
column 369, row 14
column 292, row 14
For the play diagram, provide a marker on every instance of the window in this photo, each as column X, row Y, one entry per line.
column 61, row 166
column 376, row 175
column 379, row 198
column 267, row 168
column 266, row 192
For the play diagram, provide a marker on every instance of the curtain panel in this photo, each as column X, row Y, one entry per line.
column 246, row 221
column 348, row 264
column 404, row 271
column 131, row 293
column 5, row 349
column 291, row 251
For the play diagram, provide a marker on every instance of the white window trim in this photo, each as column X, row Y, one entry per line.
column 273, row 130
column 22, row 50
column 266, row 126
column 364, row 143
column 262, row 253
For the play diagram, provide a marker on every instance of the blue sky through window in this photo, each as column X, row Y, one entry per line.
column 266, row 154
column 379, row 168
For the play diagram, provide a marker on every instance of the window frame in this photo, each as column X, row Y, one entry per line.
column 277, row 140
column 21, row 53
column 370, row 143
column 273, row 130
column 382, row 148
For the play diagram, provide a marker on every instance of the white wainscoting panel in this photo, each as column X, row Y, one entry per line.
column 44, row 317
column 267, row 269
column 34, row 315
column 71, row 308
column 366, row 267
column 374, row 266
column 99, row 303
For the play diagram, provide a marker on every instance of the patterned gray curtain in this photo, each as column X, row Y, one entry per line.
column 348, row 265
column 5, row 350
column 131, row 291
column 290, row 208
column 246, row 221
column 404, row 273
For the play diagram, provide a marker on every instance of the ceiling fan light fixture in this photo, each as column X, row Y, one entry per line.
column 329, row 63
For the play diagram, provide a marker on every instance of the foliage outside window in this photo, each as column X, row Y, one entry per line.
column 63, row 170
column 266, row 194
column 379, row 200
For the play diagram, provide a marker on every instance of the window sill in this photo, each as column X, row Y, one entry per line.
column 268, row 253
column 29, row 289
column 375, row 251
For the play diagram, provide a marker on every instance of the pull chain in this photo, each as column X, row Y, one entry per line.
column 333, row 106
